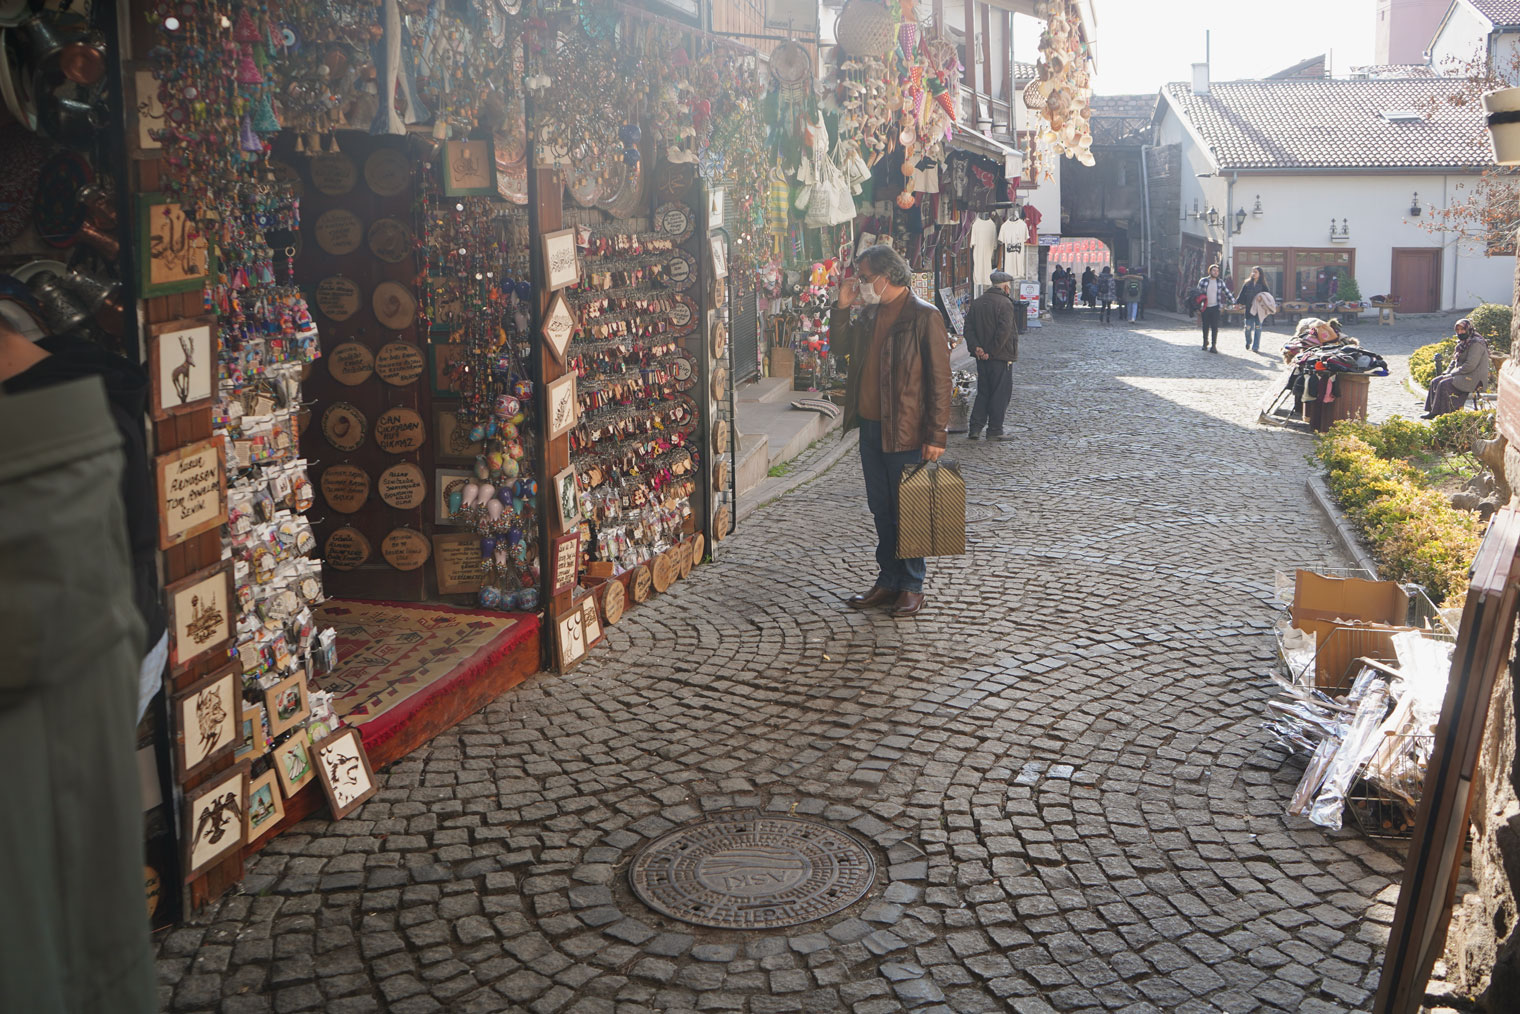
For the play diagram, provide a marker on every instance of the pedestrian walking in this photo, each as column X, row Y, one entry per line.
column 992, row 336
column 1132, row 289
column 1468, row 372
column 1212, row 291
column 1089, row 287
column 1108, row 292
column 898, row 393
column 1246, row 297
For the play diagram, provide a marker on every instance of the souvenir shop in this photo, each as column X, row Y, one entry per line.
column 441, row 386
column 875, row 151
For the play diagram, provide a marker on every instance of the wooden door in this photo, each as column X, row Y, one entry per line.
column 1417, row 279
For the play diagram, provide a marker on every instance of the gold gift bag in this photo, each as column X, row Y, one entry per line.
column 931, row 510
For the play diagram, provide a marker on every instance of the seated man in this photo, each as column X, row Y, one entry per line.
column 1467, row 373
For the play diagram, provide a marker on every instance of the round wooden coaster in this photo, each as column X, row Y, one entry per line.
column 720, row 476
column 403, row 486
column 399, row 364
column 664, row 572
column 641, row 584
column 614, row 601
column 720, row 383
column 337, row 297
column 720, row 437
column 720, row 524
column 399, row 430
column 394, row 305
column 405, row 548
column 720, row 293
column 698, row 548
column 346, row 548
column 390, row 239
column 684, row 563
column 344, row 426
column 152, row 888
column 351, row 364
column 386, row 172
column 334, row 174
column 338, row 231
column 719, row 340
column 345, row 488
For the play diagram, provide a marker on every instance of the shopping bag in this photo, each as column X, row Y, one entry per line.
column 931, row 510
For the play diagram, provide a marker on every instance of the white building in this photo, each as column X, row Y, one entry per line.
column 1474, row 28
column 1315, row 179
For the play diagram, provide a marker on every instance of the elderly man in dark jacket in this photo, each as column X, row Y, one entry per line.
column 992, row 336
column 898, row 393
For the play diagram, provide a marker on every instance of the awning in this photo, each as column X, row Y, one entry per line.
column 1011, row 159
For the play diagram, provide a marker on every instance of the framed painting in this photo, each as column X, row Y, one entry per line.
column 214, row 827
column 562, row 264
column 147, row 110
column 172, row 254
column 591, row 624
column 287, row 704
column 469, row 168
column 559, row 326
column 265, row 806
column 292, row 761
column 567, row 499
column 566, row 562
column 206, row 720
column 192, row 491
column 441, row 359
column 182, row 365
column 563, row 411
column 344, row 771
column 719, row 246
column 570, row 640
column 201, row 619
column 251, row 741
column 453, row 441
column 448, row 492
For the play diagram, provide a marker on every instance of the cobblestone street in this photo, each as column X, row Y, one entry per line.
column 1060, row 765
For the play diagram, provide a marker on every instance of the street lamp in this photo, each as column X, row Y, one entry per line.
column 1240, row 220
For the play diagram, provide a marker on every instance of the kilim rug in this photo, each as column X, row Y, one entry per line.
column 394, row 657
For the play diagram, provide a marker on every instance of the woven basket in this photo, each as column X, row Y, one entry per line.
column 865, row 28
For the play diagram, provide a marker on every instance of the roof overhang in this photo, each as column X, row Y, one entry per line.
column 1089, row 19
column 1300, row 170
column 1011, row 159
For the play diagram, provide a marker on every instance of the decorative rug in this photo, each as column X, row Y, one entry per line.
column 394, row 657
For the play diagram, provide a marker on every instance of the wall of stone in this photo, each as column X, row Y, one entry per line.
column 1164, row 167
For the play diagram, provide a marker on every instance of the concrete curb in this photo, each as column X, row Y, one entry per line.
column 772, row 490
column 1343, row 530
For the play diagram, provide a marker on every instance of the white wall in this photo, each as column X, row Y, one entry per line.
column 1462, row 38
column 1297, row 210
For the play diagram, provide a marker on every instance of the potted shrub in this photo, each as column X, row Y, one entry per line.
column 1349, row 294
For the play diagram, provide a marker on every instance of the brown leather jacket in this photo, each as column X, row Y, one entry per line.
column 915, row 374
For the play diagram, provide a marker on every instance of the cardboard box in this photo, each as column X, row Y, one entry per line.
column 1350, row 618
column 783, row 362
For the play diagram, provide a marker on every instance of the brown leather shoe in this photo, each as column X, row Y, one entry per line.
column 877, row 596
column 908, row 603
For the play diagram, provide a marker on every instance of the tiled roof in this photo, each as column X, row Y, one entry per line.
column 1500, row 12
column 1302, row 124
column 1386, row 70
column 1124, row 105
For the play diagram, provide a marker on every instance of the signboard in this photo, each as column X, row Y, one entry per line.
column 954, row 309
column 792, row 15
column 192, row 491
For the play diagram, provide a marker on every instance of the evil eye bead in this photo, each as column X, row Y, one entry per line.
column 523, row 389
column 490, row 597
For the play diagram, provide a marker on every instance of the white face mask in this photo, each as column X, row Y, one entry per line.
column 868, row 293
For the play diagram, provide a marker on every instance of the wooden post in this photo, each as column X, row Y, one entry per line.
column 546, row 214
column 969, row 74
column 986, row 26
column 1010, row 79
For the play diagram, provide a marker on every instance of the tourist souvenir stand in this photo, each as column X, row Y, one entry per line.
column 464, row 392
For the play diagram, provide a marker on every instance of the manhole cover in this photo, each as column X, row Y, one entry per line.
column 752, row 872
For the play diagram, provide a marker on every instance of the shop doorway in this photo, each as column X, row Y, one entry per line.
column 1416, row 279
column 1079, row 254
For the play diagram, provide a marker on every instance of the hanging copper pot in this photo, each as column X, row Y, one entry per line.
column 68, row 121
column 83, row 60
column 102, row 242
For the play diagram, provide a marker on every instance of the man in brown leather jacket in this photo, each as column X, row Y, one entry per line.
column 899, row 394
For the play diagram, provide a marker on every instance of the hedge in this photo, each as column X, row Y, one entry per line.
column 1491, row 320
column 1414, row 533
column 1422, row 361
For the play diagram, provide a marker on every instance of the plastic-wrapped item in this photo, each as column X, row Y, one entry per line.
column 1361, row 739
column 1314, row 774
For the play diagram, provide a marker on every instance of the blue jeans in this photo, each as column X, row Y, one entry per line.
column 1253, row 333
column 882, row 472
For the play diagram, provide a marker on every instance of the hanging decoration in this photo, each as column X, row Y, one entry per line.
column 1063, row 83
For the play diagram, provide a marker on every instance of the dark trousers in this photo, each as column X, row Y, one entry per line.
column 1210, row 326
column 994, row 386
column 882, row 472
column 1107, row 308
column 1444, row 396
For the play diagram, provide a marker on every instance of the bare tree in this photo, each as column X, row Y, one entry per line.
column 1486, row 210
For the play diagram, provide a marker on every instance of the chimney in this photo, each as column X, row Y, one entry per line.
column 1200, row 79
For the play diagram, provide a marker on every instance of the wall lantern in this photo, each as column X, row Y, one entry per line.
column 1256, row 211
column 1240, row 220
column 1341, row 235
column 1414, row 206
column 1213, row 215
